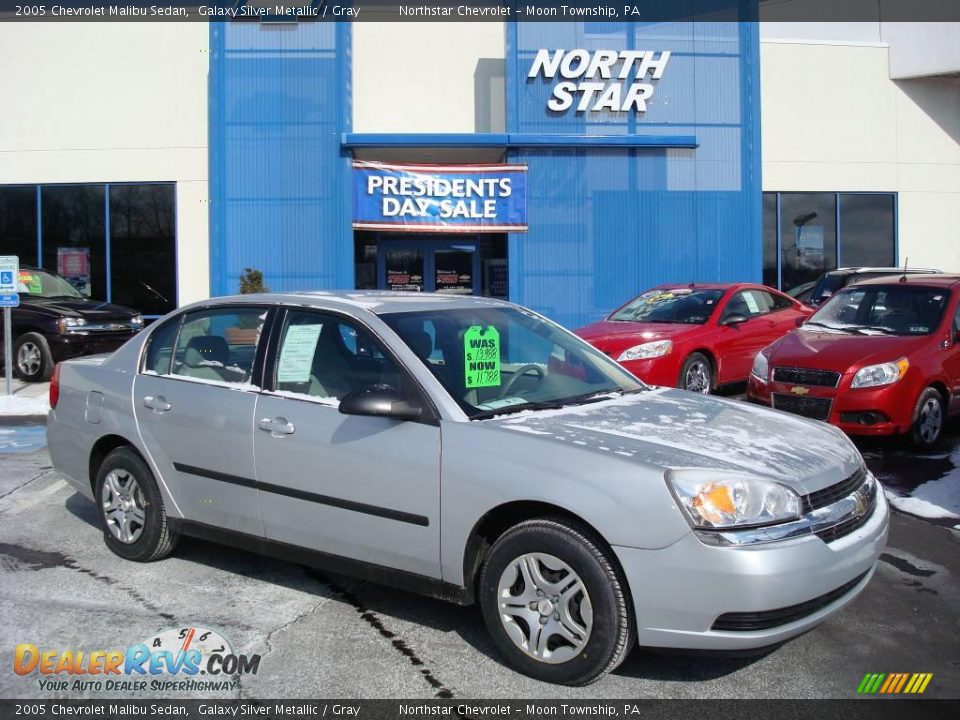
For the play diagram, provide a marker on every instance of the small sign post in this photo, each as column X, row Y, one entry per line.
column 9, row 298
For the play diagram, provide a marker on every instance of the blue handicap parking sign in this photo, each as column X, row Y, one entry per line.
column 6, row 278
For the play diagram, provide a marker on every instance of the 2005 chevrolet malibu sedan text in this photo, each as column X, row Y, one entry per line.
column 472, row 450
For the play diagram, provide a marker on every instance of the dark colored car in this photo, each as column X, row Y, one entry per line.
column 879, row 358
column 54, row 322
column 695, row 337
column 802, row 293
column 834, row 280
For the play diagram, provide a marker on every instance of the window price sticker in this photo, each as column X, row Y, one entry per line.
column 481, row 357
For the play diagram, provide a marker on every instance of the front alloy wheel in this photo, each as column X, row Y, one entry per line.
column 928, row 422
column 696, row 375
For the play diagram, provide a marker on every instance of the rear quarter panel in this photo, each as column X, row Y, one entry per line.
column 76, row 424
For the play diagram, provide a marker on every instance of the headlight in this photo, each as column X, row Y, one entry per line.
column 761, row 367
column 137, row 321
column 646, row 351
column 68, row 324
column 729, row 501
column 882, row 374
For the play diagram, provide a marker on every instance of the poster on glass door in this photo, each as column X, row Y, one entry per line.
column 439, row 198
column 73, row 265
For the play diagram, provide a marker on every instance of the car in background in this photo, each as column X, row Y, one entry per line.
column 472, row 450
column 696, row 337
column 834, row 280
column 54, row 322
column 802, row 293
column 879, row 358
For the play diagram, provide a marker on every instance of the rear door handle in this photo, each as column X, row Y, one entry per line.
column 276, row 426
column 158, row 404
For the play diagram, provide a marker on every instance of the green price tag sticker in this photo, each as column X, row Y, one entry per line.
column 481, row 357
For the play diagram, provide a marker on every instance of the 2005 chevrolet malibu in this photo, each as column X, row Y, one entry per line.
column 472, row 450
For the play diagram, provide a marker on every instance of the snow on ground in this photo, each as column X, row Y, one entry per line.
column 933, row 499
column 18, row 405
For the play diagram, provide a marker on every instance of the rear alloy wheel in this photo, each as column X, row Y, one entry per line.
column 554, row 603
column 696, row 375
column 131, row 510
column 928, row 419
column 31, row 358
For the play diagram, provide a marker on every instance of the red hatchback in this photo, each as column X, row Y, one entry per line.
column 695, row 337
column 879, row 358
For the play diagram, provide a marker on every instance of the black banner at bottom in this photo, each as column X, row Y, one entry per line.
column 865, row 709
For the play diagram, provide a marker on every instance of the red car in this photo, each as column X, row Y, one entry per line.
column 879, row 358
column 696, row 337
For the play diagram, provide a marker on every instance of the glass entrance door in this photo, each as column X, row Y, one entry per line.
column 444, row 266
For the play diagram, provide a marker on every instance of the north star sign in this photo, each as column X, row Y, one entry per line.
column 593, row 71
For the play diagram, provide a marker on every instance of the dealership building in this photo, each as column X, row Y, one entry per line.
column 565, row 166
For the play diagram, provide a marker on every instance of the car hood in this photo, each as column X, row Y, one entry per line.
column 90, row 310
column 669, row 429
column 839, row 352
column 610, row 334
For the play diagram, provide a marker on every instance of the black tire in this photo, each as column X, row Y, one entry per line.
column 688, row 373
column 612, row 633
column 156, row 540
column 928, row 416
column 36, row 346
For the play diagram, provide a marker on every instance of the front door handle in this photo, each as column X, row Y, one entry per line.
column 276, row 426
column 158, row 404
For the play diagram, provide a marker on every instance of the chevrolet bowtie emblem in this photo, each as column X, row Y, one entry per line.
column 799, row 390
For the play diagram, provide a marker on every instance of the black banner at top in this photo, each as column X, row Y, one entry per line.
column 294, row 11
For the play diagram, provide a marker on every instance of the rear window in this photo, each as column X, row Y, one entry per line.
column 826, row 287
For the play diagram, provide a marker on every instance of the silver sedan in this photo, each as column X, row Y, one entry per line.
column 472, row 450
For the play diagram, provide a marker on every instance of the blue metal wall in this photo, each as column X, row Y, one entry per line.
column 279, row 180
column 608, row 223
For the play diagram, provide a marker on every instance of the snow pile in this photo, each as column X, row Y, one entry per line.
column 934, row 499
column 20, row 406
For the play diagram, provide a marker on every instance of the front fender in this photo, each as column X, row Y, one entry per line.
column 482, row 468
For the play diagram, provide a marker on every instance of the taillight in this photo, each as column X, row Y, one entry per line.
column 55, row 386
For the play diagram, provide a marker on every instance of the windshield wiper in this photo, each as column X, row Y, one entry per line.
column 875, row 328
column 828, row 327
column 596, row 396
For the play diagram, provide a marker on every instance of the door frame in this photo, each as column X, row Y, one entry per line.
column 429, row 247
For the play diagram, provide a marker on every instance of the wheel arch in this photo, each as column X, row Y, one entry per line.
column 103, row 447
column 501, row 518
column 709, row 355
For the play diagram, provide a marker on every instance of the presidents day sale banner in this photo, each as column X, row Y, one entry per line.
column 440, row 198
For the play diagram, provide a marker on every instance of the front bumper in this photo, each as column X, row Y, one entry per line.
column 656, row 371
column 861, row 411
column 70, row 345
column 680, row 591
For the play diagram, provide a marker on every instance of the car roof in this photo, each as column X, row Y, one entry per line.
column 938, row 280
column 891, row 270
column 380, row 302
column 708, row 286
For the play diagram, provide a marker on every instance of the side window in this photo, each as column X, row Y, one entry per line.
column 748, row 303
column 219, row 345
column 956, row 320
column 160, row 347
column 326, row 357
column 776, row 302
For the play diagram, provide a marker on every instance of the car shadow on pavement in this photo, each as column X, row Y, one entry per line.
column 388, row 609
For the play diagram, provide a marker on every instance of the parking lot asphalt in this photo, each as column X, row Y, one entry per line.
column 328, row 636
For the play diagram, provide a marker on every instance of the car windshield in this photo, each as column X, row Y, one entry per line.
column 825, row 287
column 883, row 310
column 670, row 305
column 500, row 360
column 39, row 283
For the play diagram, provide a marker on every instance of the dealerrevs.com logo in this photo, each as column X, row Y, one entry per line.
column 176, row 659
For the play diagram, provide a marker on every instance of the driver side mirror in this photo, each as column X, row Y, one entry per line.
column 734, row 319
column 380, row 401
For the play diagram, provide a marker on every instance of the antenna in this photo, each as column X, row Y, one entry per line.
column 903, row 278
